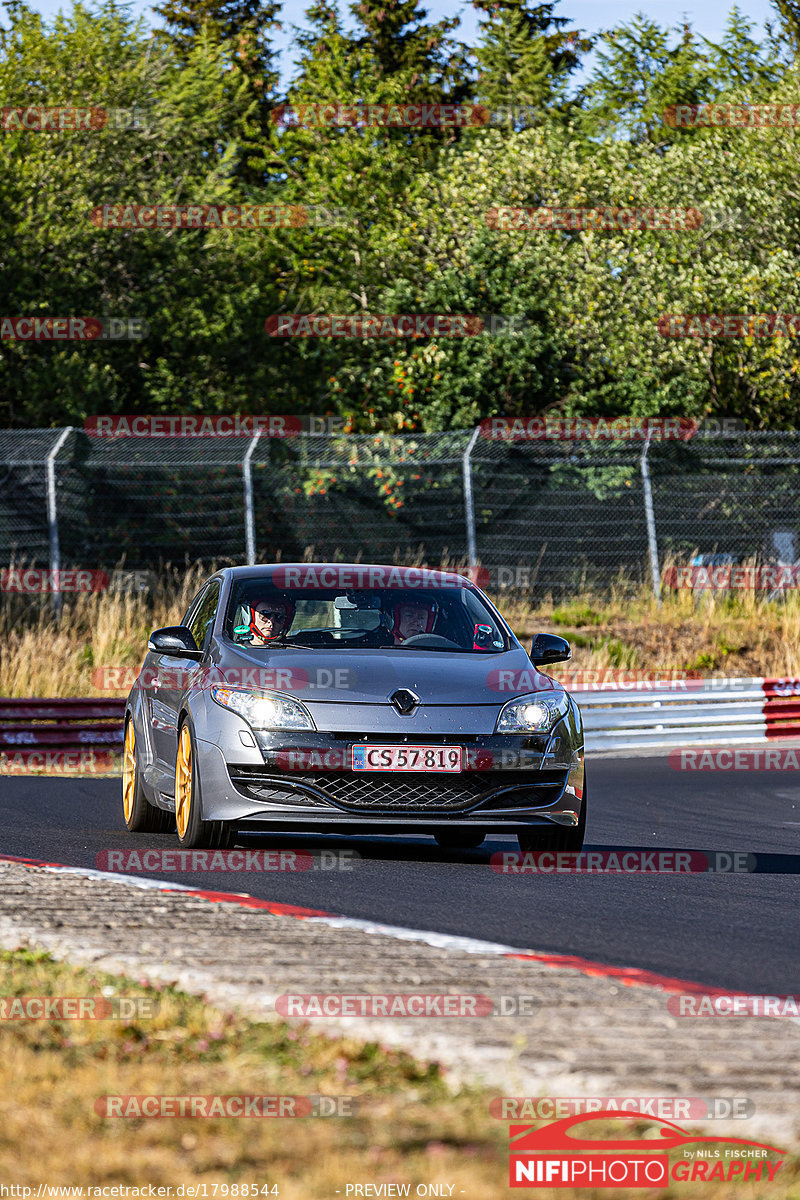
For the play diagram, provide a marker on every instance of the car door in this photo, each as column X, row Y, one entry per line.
column 173, row 675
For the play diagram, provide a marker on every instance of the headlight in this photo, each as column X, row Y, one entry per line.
column 532, row 714
column 265, row 710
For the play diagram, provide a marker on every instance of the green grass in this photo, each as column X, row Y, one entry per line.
column 577, row 615
column 408, row 1125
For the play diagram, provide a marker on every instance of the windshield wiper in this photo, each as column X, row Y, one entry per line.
column 284, row 645
column 444, row 649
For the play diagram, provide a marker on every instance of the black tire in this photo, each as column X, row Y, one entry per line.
column 193, row 832
column 139, row 815
column 568, row 839
column 460, row 839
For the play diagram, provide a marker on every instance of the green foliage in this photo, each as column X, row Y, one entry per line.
column 789, row 14
column 524, row 56
column 576, row 615
column 398, row 40
column 618, row 653
column 242, row 28
column 414, row 236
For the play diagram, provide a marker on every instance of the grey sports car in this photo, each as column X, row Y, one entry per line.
column 349, row 698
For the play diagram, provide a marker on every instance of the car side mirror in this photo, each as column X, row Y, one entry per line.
column 176, row 640
column 547, row 648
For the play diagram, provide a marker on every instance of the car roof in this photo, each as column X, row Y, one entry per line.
column 260, row 568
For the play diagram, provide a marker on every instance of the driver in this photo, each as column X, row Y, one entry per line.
column 270, row 618
column 412, row 617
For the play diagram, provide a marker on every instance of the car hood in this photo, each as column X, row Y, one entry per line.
column 371, row 676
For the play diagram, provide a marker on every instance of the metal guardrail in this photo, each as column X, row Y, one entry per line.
column 722, row 712
column 685, row 712
column 41, row 734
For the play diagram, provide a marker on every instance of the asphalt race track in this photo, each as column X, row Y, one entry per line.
column 739, row 931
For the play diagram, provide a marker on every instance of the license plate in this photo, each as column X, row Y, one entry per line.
column 406, row 758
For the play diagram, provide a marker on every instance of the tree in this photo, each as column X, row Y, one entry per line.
column 741, row 67
column 789, row 17
column 402, row 44
column 242, row 28
column 640, row 73
column 202, row 294
column 524, row 55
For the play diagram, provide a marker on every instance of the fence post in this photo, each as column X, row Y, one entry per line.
column 249, row 513
column 469, row 502
column 52, row 519
column 651, row 520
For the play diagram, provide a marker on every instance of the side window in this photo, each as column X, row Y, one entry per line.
column 202, row 615
column 186, row 619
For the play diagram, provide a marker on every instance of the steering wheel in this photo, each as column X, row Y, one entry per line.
column 430, row 639
column 326, row 637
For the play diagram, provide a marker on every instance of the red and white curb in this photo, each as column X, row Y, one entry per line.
column 627, row 976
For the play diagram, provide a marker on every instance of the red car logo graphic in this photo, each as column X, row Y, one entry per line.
column 555, row 1156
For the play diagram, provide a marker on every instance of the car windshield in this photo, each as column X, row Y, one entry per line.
column 452, row 618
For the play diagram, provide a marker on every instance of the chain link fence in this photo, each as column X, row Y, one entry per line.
column 545, row 516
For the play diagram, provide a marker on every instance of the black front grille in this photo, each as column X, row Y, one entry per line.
column 359, row 791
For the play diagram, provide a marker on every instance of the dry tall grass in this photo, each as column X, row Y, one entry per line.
column 408, row 1126
column 723, row 633
column 715, row 632
column 40, row 656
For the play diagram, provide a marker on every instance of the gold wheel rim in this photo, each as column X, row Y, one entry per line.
column 128, row 770
column 183, row 781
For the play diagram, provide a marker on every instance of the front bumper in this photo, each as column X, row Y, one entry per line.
column 510, row 782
